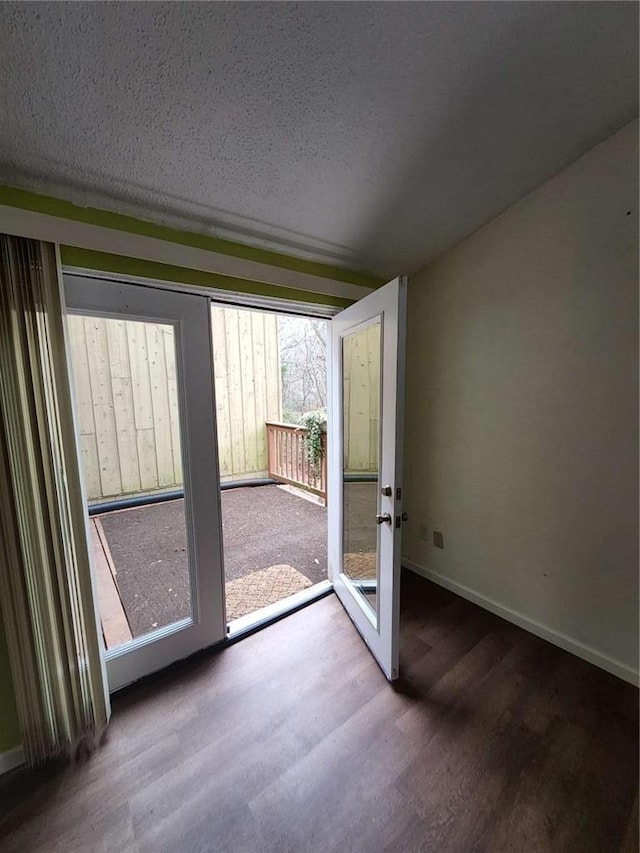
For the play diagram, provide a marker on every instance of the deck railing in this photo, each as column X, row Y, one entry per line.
column 288, row 462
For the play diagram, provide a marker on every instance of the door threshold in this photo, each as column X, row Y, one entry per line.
column 240, row 628
column 252, row 622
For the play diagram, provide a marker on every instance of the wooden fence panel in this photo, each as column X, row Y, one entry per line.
column 102, row 398
column 248, row 392
column 248, row 399
column 221, row 373
column 233, row 381
column 160, row 402
column 123, row 406
column 361, row 401
column 259, row 367
column 126, row 392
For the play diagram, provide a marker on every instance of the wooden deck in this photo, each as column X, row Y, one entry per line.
column 115, row 627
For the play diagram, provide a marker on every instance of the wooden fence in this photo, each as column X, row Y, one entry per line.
column 246, row 361
column 288, row 462
column 126, row 394
column 361, row 399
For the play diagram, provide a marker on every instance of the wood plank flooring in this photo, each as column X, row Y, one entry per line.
column 292, row 740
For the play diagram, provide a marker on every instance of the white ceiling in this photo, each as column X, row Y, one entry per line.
column 373, row 134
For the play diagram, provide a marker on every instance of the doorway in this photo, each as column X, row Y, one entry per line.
column 148, row 442
column 271, row 415
column 185, row 446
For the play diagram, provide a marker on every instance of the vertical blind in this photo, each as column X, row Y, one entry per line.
column 48, row 605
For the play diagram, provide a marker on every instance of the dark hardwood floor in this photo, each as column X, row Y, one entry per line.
column 292, row 740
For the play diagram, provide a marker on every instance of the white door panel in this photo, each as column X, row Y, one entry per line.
column 365, row 466
column 172, row 326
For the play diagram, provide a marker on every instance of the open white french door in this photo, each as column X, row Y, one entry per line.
column 136, row 324
column 365, row 466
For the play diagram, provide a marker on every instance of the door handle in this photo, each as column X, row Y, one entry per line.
column 383, row 519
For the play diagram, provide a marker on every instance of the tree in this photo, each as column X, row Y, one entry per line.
column 303, row 364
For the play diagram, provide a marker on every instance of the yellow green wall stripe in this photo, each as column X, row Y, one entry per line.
column 73, row 256
column 26, row 200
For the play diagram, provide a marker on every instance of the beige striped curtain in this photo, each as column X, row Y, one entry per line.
column 45, row 579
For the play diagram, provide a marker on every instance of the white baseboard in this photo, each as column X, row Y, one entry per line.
column 11, row 758
column 569, row 644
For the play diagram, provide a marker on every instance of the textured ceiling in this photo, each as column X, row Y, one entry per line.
column 373, row 134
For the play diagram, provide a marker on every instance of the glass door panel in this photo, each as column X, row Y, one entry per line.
column 141, row 368
column 124, row 374
column 361, row 453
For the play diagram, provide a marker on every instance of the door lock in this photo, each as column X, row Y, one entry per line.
column 384, row 519
column 387, row 491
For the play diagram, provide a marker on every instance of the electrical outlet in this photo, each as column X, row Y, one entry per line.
column 423, row 532
column 438, row 539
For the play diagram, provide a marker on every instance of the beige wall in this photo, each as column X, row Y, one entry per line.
column 521, row 415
